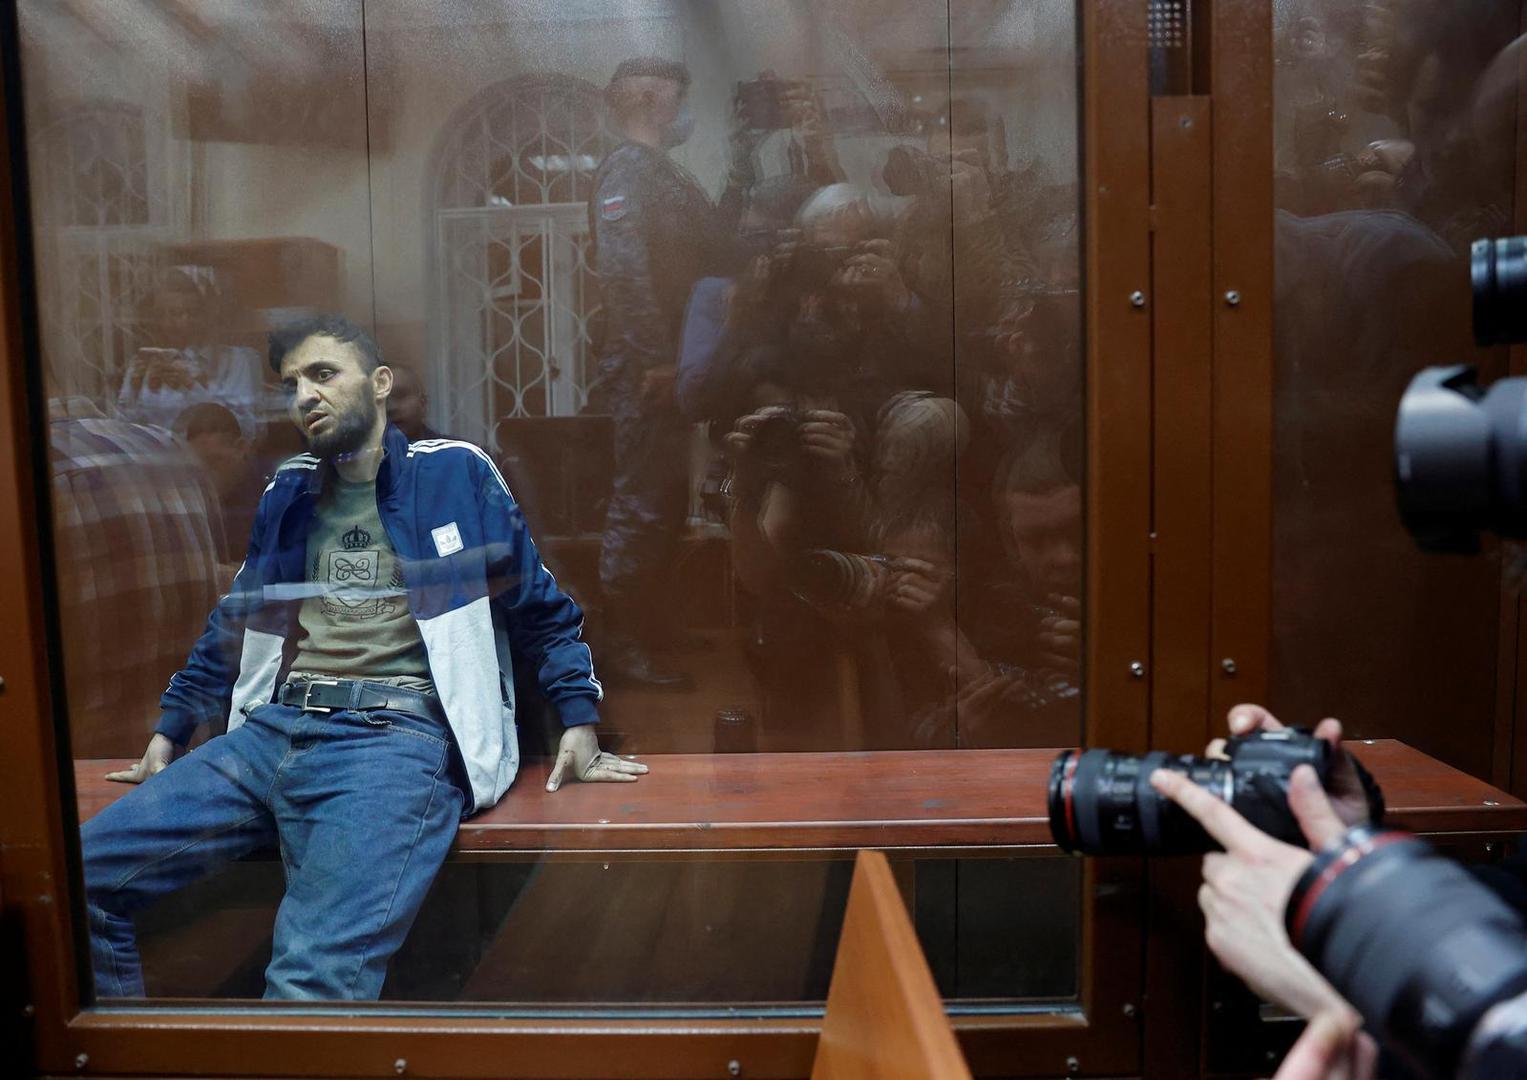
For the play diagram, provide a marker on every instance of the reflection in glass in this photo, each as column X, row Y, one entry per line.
column 1395, row 148
column 768, row 315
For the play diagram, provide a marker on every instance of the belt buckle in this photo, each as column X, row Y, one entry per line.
column 307, row 693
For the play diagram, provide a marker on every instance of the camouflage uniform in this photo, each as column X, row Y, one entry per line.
column 656, row 233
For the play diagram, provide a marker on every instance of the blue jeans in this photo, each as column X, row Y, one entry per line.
column 363, row 805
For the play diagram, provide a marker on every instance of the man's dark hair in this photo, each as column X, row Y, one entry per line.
column 341, row 329
column 209, row 418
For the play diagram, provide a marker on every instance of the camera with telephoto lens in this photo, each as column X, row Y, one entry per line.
column 839, row 580
column 1460, row 449
column 910, row 170
column 1101, row 802
column 1421, row 949
column 762, row 103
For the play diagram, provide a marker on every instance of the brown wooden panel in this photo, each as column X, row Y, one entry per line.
column 1183, row 339
column 35, row 874
column 1117, row 272
column 880, row 799
column 1117, row 211
column 884, row 1015
column 1241, row 85
column 1182, row 599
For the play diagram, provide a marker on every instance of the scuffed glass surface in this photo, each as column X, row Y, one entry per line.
column 792, row 409
column 1395, row 147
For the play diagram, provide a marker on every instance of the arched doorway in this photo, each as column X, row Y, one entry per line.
column 516, row 297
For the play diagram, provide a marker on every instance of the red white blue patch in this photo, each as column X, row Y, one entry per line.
column 613, row 208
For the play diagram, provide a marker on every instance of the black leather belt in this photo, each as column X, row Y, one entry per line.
column 339, row 695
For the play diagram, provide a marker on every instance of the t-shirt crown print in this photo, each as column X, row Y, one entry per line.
column 349, row 576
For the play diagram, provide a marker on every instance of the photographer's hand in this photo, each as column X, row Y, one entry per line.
column 872, row 272
column 1246, row 889
column 916, row 585
column 1331, row 1048
column 1060, row 634
column 739, row 441
column 828, row 437
column 1345, row 789
column 968, row 188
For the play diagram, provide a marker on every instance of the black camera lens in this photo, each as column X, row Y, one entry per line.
column 1418, row 946
column 1101, row 802
column 1459, row 452
column 1498, row 269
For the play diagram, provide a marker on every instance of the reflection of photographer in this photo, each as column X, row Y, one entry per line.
column 187, row 365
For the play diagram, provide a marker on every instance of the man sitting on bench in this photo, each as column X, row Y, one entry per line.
column 362, row 658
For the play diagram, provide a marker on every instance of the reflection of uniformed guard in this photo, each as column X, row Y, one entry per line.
column 656, row 232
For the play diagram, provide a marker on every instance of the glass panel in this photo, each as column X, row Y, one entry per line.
column 1395, row 147
column 768, row 316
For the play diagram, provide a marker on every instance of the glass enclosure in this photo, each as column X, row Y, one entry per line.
column 1396, row 142
column 768, row 315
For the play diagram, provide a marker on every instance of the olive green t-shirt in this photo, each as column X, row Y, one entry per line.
column 355, row 622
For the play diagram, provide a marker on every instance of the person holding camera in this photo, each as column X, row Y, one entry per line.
column 1429, row 957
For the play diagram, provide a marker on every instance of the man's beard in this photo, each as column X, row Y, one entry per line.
column 348, row 433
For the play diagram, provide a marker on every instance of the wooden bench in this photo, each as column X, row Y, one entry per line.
column 837, row 803
column 806, row 809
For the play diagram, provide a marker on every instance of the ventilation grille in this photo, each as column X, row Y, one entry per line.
column 1167, row 23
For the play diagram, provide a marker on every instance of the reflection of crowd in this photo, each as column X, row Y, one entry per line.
column 888, row 371
column 893, row 383
column 1393, row 154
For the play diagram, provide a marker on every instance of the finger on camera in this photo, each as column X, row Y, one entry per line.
column 1312, row 808
column 1218, row 818
column 1216, row 865
column 1244, row 719
column 1216, row 749
column 1330, row 730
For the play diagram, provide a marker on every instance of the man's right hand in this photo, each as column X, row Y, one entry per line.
column 161, row 751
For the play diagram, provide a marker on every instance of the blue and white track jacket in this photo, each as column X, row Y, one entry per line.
column 476, row 585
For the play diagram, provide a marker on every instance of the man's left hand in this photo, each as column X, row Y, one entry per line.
column 1246, row 889
column 580, row 758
